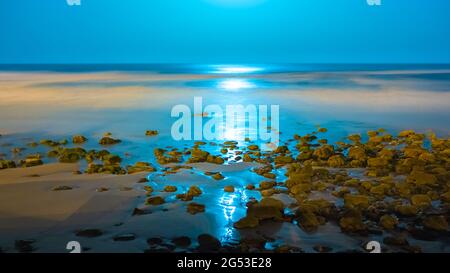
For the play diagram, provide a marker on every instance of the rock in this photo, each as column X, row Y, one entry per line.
column 137, row 211
column 322, row 249
column 308, row 221
column 388, row 222
column 436, row 222
column 182, row 241
column 446, row 197
column 124, row 237
column 356, row 201
column 155, row 201
column 253, row 147
column 324, row 152
column 154, row 241
column 283, row 160
column 194, row 191
column 421, row 179
column 198, row 155
column 357, row 153
column 336, row 161
column 79, row 139
column 24, row 246
column 421, row 201
column 354, row 138
column 406, row 133
column 194, row 208
column 406, row 210
column 218, row 176
column 208, row 243
column 265, row 185
column 32, row 160
column 247, row 222
column 352, row 222
column 5, row 164
column 151, row 132
column 89, row 233
column 229, row 188
column 61, row 188
column 300, row 188
column 143, row 180
column 106, row 140
column 170, row 188
column 252, row 187
column 378, row 162
column 395, row 241
column 140, row 167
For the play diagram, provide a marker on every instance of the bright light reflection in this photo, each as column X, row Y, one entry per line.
column 235, row 84
column 233, row 69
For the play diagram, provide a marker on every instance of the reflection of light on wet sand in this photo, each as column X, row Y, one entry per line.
column 229, row 203
column 235, row 84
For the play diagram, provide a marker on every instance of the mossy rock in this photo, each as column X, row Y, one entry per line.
column 446, row 197
column 253, row 147
column 141, row 167
column 388, row 222
column 308, row 221
column 352, row 222
column 406, row 133
column 406, row 210
column 79, row 139
column 32, row 160
column 194, row 208
column 356, row 201
column 436, row 222
column 218, row 176
column 324, row 152
column 421, row 201
column 283, row 160
column 155, row 201
column 6, row 164
column 300, row 188
column 247, row 222
column 194, row 191
column 169, row 188
column 336, row 161
column 422, row 179
column 378, row 162
column 228, row 188
column 106, row 140
column 151, row 132
column 112, row 159
column 265, row 185
column 355, row 138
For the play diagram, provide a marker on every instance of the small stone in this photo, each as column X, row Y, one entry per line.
column 61, row 188
column 124, row 237
column 182, row 241
column 170, row 188
column 155, row 201
column 208, row 243
column 247, row 222
column 228, row 188
column 218, row 176
column 194, row 208
column 151, row 132
column 79, row 139
column 89, row 233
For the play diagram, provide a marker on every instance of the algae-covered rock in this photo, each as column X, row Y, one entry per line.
column 300, row 188
column 155, row 201
column 79, row 139
column 388, row 222
column 324, row 152
column 5, row 164
column 253, row 147
column 247, row 222
column 169, row 188
column 355, row 138
column 265, row 185
column 151, row 132
column 268, row 208
column 141, row 167
column 436, row 222
column 422, row 178
column 106, row 140
column 198, row 155
column 61, row 188
column 356, row 201
column 308, row 221
column 336, row 161
column 32, row 160
column 352, row 222
column 283, row 160
column 194, row 191
column 228, row 188
column 218, row 176
column 446, row 197
column 406, row 210
column 194, row 208
column 406, row 133
column 421, row 200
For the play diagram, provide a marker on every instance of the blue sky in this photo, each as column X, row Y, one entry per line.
column 225, row 31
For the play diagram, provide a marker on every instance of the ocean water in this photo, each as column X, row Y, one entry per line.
column 57, row 101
